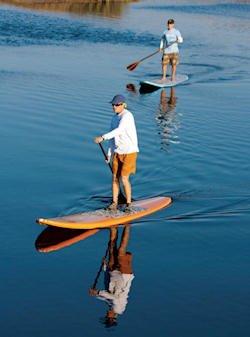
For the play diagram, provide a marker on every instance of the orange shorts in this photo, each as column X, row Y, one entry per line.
column 124, row 164
column 172, row 58
column 125, row 263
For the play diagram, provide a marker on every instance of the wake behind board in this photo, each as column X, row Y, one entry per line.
column 158, row 83
column 103, row 218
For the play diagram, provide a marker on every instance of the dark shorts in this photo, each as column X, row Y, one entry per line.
column 173, row 59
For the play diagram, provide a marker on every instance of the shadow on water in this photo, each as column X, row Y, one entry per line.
column 116, row 265
column 110, row 9
column 147, row 89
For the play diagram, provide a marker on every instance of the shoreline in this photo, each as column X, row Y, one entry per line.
column 41, row 2
column 106, row 8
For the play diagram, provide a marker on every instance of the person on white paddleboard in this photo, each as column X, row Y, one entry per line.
column 169, row 46
column 123, row 149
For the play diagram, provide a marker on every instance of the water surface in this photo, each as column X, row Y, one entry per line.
column 191, row 261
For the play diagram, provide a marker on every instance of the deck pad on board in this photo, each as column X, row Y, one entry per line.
column 159, row 83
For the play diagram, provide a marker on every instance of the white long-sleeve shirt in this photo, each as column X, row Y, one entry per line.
column 123, row 135
column 117, row 295
column 168, row 41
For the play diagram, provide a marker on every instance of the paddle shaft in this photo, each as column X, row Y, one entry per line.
column 100, row 268
column 132, row 66
column 147, row 57
column 105, row 156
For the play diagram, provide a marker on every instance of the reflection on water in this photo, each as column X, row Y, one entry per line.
column 166, row 117
column 81, row 7
column 116, row 265
column 167, row 104
column 118, row 276
column 53, row 238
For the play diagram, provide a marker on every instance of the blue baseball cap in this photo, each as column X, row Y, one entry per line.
column 118, row 99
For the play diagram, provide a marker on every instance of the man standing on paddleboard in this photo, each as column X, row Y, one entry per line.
column 123, row 148
column 169, row 46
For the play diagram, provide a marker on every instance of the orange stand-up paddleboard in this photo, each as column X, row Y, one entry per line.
column 103, row 219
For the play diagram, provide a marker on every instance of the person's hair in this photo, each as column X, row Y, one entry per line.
column 170, row 21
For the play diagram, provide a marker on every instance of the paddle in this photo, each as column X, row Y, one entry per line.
column 121, row 198
column 132, row 66
column 100, row 268
column 106, row 157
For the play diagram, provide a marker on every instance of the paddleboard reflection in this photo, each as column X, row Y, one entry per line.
column 54, row 238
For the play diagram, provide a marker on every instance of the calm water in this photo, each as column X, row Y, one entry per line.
column 191, row 261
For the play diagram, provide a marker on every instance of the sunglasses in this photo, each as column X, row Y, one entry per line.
column 119, row 104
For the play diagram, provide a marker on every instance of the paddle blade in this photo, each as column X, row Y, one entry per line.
column 132, row 66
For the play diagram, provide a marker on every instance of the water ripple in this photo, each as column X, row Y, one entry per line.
column 239, row 10
column 18, row 28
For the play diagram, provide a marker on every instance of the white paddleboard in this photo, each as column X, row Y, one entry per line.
column 159, row 83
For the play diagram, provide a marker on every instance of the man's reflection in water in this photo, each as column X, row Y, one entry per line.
column 118, row 276
column 167, row 104
column 166, row 117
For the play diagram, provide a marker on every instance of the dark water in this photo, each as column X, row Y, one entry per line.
column 191, row 261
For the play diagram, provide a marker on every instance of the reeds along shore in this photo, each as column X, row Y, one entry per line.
column 108, row 8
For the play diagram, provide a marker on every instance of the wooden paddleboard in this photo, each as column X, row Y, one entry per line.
column 103, row 218
column 158, row 83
